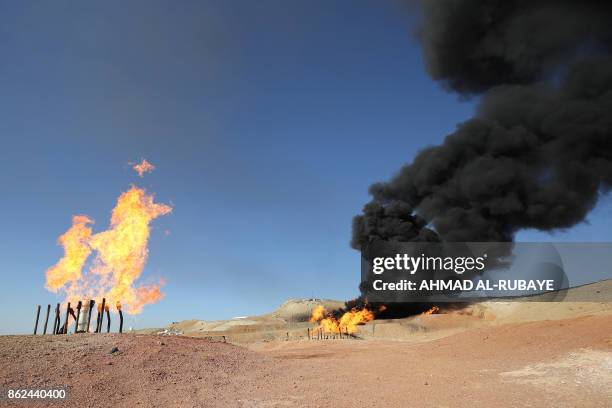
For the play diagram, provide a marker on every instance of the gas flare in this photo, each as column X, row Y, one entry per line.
column 347, row 323
column 317, row 314
column 143, row 167
column 121, row 253
column 433, row 310
column 76, row 252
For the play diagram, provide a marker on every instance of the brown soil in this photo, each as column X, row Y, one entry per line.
column 560, row 363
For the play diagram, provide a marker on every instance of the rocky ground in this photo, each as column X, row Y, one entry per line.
column 563, row 363
column 493, row 355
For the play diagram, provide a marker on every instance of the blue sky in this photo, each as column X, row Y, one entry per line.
column 267, row 121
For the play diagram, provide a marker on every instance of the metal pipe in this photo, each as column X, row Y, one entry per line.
column 97, row 318
column 71, row 311
column 108, row 318
column 120, row 321
column 47, row 319
column 91, row 305
column 37, row 316
column 65, row 330
column 59, row 318
column 76, row 320
column 101, row 315
column 55, row 324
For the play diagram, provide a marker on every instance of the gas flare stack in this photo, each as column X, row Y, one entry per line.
column 319, row 333
column 81, row 318
column 340, row 325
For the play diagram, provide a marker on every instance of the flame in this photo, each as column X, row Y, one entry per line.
column 350, row 320
column 118, row 306
column 317, row 314
column 433, row 310
column 347, row 323
column 143, row 167
column 76, row 252
column 121, row 254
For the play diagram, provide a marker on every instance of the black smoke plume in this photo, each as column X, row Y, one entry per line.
column 537, row 153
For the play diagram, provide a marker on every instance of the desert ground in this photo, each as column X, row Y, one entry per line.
column 492, row 354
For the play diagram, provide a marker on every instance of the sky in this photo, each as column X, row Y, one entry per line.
column 266, row 121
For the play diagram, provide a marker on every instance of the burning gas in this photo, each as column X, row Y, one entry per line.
column 317, row 314
column 143, row 167
column 121, row 253
column 347, row 323
column 433, row 310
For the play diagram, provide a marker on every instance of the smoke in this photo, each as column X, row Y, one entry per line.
column 538, row 151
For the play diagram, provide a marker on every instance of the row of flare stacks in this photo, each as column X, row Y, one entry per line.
column 81, row 315
column 347, row 323
column 83, row 319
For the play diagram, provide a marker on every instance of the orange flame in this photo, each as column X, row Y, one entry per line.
column 348, row 322
column 118, row 306
column 433, row 310
column 76, row 252
column 143, row 167
column 317, row 314
column 121, row 254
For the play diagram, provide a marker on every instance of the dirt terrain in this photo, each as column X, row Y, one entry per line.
column 487, row 355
